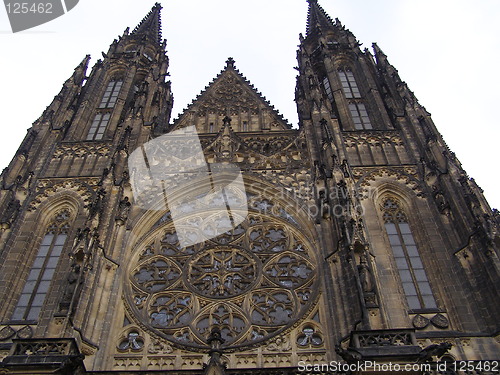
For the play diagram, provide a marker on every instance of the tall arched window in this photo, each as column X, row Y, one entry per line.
column 42, row 270
column 411, row 270
column 360, row 116
column 111, row 94
column 357, row 106
column 103, row 115
column 349, row 85
column 98, row 127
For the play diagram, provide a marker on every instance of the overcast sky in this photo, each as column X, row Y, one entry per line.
column 446, row 50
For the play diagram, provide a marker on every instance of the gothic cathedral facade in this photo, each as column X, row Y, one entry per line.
column 363, row 238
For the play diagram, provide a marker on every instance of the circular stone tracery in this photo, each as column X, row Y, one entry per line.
column 253, row 282
column 222, row 272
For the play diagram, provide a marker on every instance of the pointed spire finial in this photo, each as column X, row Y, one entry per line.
column 151, row 24
column 80, row 71
column 317, row 17
column 215, row 365
column 226, row 121
column 379, row 54
column 230, row 63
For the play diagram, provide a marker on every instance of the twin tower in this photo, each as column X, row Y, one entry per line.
column 355, row 238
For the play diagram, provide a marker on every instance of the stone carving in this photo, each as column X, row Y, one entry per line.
column 72, row 288
column 309, row 337
column 442, row 205
column 45, row 348
column 420, row 322
column 226, row 144
column 222, row 272
column 252, row 282
column 385, row 339
column 47, row 188
column 405, row 175
column 25, row 333
column 81, row 150
column 440, row 321
column 133, row 342
column 349, row 354
column 268, row 145
column 159, row 347
column 6, row 333
column 96, row 206
column 10, row 214
column 434, row 350
column 281, row 344
column 228, row 93
column 365, row 276
column 123, row 211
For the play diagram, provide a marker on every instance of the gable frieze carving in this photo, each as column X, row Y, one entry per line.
column 46, row 188
column 365, row 178
column 228, row 94
column 373, row 138
column 287, row 147
column 81, row 150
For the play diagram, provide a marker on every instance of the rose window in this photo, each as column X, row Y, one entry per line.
column 222, row 272
column 253, row 282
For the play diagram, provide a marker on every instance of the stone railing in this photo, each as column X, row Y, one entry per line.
column 44, row 352
column 380, row 344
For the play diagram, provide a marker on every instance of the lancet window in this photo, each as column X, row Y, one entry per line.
column 408, row 261
column 42, row 270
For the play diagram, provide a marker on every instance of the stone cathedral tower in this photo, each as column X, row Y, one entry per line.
column 363, row 238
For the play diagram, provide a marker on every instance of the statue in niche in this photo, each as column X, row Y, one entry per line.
column 72, row 288
column 10, row 213
column 123, row 211
column 365, row 276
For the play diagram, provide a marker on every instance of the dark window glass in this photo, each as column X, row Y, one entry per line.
column 411, row 270
column 111, row 94
column 349, row 85
column 328, row 88
column 360, row 116
column 41, row 274
column 98, row 127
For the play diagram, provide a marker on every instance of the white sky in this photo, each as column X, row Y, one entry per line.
column 447, row 51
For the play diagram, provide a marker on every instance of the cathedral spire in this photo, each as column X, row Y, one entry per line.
column 79, row 73
column 317, row 17
column 151, row 24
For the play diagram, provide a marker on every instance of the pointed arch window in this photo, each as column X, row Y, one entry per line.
column 111, row 94
column 409, row 264
column 328, row 88
column 349, row 85
column 360, row 116
column 98, row 126
column 42, row 270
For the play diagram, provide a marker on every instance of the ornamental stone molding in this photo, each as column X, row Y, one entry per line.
column 81, row 150
column 46, row 188
column 255, row 282
column 366, row 179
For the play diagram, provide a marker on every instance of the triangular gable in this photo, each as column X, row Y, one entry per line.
column 231, row 94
